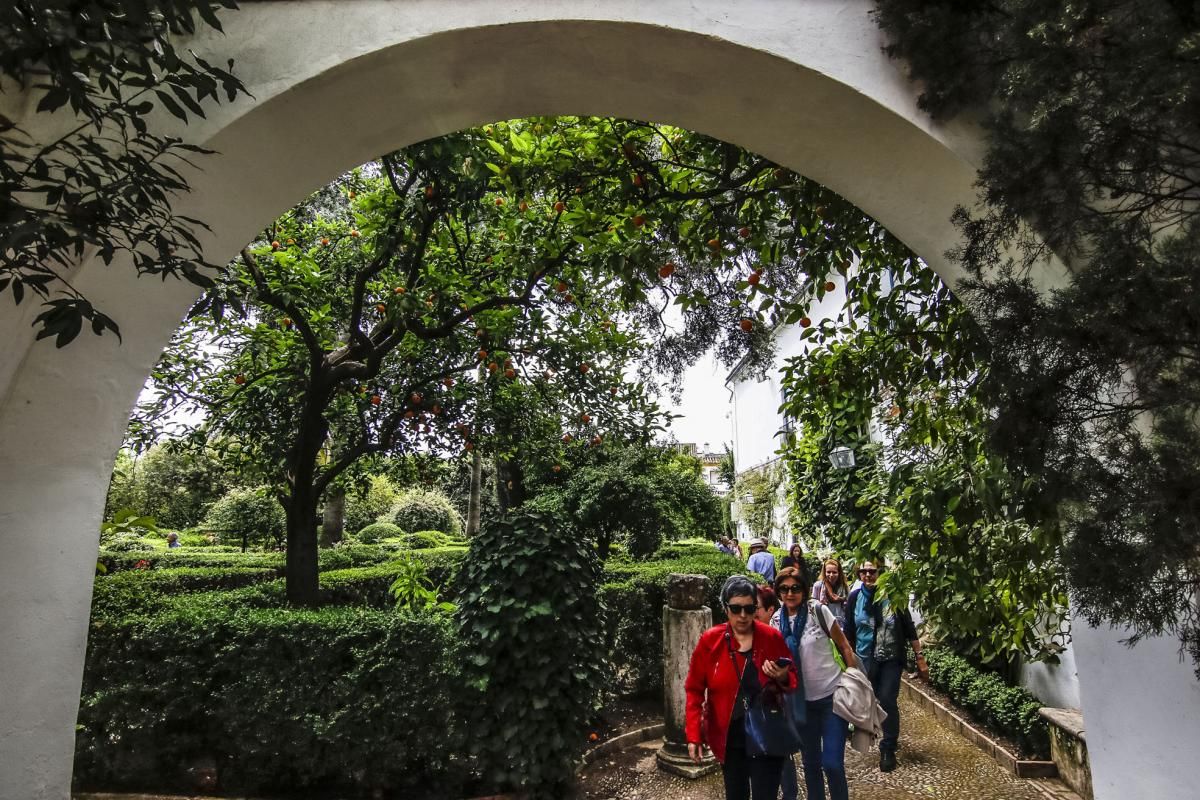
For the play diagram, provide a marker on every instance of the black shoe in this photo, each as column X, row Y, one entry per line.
column 887, row 760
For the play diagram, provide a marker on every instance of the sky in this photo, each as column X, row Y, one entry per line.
column 704, row 406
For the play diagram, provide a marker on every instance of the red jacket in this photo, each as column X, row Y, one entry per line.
column 712, row 673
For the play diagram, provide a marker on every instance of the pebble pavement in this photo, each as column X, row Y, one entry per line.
column 935, row 763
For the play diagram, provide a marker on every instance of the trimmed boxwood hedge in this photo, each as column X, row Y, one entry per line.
column 369, row 585
column 636, row 592
column 137, row 591
column 1009, row 710
column 351, row 555
column 312, row 702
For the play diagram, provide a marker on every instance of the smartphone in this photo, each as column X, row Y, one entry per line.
column 783, row 663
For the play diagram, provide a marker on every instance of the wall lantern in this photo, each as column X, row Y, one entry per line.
column 842, row 457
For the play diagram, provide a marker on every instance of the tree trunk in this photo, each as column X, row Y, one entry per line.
column 476, row 498
column 302, row 577
column 333, row 517
column 510, row 483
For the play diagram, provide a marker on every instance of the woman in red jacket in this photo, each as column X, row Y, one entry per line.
column 732, row 662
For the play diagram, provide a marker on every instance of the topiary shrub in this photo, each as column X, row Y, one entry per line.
column 249, row 515
column 378, row 531
column 527, row 600
column 424, row 540
column 426, row 510
column 365, row 507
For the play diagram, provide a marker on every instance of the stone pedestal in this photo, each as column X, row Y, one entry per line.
column 685, row 617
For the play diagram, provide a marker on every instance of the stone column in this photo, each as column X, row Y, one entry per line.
column 685, row 617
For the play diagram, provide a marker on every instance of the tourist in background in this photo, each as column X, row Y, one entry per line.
column 808, row 628
column 731, row 664
column 879, row 633
column 761, row 560
column 794, row 558
column 831, row 590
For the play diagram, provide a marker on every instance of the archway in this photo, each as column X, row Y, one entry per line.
column 336, row 84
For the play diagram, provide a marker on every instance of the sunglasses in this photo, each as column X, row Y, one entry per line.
column 788, row 588
column 868, row 572
column 735, row 608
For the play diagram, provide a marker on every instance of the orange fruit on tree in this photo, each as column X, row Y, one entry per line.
column 584, row 368
column 596, row 439
column 291, row 240
column 325, row 241
column 586, row 418
column 274, row 245
column 376, row 399
column 448, row 381
column 753, row 278
column 560, row 287
column 510, row 373
column 415, row 398
column 666, row 270
column 399, row 290
column 830, row 286
column 805, row 322
column 557, row 468
column 747, row 325
column 744, row 232
column 715, row 244
column 493, row 366
column 354, row 234
column 286, row 322
column 637, row 179
column 482, row 354
column 239, row 379
column 567, row 439
column 638, row 221
column 499, row 201
column 381, row 308
column 523, row 205
column 560, row 206
column 612, row 390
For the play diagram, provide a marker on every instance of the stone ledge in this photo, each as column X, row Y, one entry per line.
column 1068, row 719
column 951, row 719
column 625, row 740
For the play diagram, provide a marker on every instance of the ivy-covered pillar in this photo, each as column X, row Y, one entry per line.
column 685, row 617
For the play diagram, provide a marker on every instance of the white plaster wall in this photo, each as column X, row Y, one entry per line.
column 1055, row 685
column 334, row 85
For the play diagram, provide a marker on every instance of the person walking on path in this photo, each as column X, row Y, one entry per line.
column 761, row 560
column 731, row 664
column 879, row 634
column 830, row 589
column 808, row 628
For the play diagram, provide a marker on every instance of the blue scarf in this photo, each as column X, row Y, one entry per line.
column 792, row 631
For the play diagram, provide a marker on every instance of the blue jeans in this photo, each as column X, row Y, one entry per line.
column 885, row 680
column 823, row 752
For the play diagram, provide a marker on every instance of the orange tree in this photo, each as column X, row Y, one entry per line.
column 378, row 316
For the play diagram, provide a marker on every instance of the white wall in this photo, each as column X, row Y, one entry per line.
column 1056, row 685
column 336, row 84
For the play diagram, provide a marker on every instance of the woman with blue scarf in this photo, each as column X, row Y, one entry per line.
column 879, row 633
column 808, row 629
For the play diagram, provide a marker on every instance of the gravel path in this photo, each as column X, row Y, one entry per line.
column 935, row 764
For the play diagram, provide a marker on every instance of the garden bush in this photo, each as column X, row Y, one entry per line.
column 426, row 510
column 246, row 514
column 378, row 531
column 635, row 639
column 365, row 507
column 535, row 669
column 369, row 585
column 332, row 701
column 137, row 590
column 1009, row 710
column 183, row 557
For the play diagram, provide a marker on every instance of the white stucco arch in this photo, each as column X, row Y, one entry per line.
column 337, row 83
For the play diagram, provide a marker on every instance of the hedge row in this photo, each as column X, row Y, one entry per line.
column 635, row 594
column 277, row 700
column 1005, row 709
column 354, row 555
column 369, row 585
column 137, row 591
